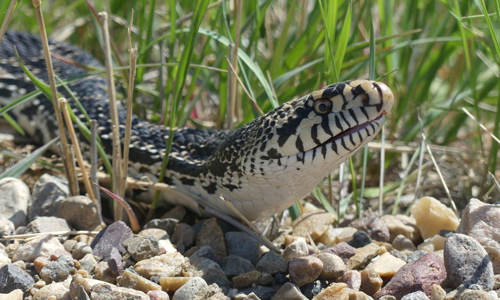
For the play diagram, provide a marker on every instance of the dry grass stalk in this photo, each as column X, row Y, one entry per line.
column 78, row 152
column 128, row 122
column 113, row 109
column 6, row 20
column 50, row 72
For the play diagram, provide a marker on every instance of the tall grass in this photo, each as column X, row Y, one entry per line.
column 437, row 56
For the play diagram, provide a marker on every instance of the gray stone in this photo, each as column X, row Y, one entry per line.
column 418, row 275
column 467, row 263
column 109, row 238
column 48, row 193
column 289, row 291
column 360, row 239
column 296, row 249
column 235, row 265
column 142, row 247
column 47, row 224
column 195, row 289
column 111, row 292
column 211, row 235
column 43, row 246
column 342, row 250
column 401, row 242
column 418, row 295
column 13, row 277
column 14, row 200
column 55, row 290
column 183, row 237
column 209, row 270
column 374, row 226
column 7, row 227
column 241, row 244
column 80, row 212
column 272, row 263
column 333, row 266
column 167, row 224
column 58, row 270
column 88, row 263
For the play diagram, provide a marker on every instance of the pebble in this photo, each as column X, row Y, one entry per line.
column 432, row 216
column 15, row 198
column 432, row 244
column 209, row 270
column 7, row 227
column 296, row 249
column 183, row 237
column 312, row 224
column 272, row 263
column 48, row 193
column 418, row 295
column 13, row 277
column 480, row 221
column 289, row 291
column 360, row 239
column 404, row 225
column 362, row 257
column 109, row 238
column 195, row 289
column 47, row 224
column 337, row 291
column 334, row 235
column 14, row 295
column 418, row 275
column 58, row 270
column 241, row 244
column 467, row 263
column 211, row 235
column 374, row 226
column 342, row 250
column 401, row 242
column 371, row 282
column 141, row 248
column 56, row 291
column 234, row 265
column 333, row 266
column 165, row 265
column 41, row 246
column 81, row 213
column 130, row 279
column 167, row 224
column 246, row 279
column 304, row 269
column 352, row 278
column 387, row 265
column 110, row 292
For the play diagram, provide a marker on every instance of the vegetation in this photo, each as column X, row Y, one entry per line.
column 441, row 59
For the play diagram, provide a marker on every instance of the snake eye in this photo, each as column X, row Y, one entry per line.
column 323, row 106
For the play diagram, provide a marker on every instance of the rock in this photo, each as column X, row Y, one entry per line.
column 110, row 292
column 418, row 275
column 333, row 236
column 432, row 244
column 256, row 293
column 43, row 246
column 359, row 239
column 363, row 256
column 296, row 249
column 401, row 242
column 416, row 255
column 115, row 262
column 312, row 224
column 266, row 279
column 135, row 281
column 418, row 295
column 467, row 263
column 241, row 244
column 387, row 265
column 337, row 291
column 355, row 295
column 80, row 250
column 167, row 224
column 81, row 213
column 48, row 193
column 480, row 221
column 303, row 270
column 235, row 265
column 88, row 263
column 371, row 282
column 195, row 289
column 158, row 295
column 352, row 278
column 374, row 226
column 437, row 292
column 7, row 227
column 476, row 295
column 55, row 291
column 342, row 250
column 47, row 224
column 109, row 238
column 183, row 237
column 14, row 295
column 246, row 279
column 333, row 266
column 141, row 248
column 176, row 213
column 13, row 277
column 209, row 270
column 288, row 291
column 272, row 263
column 211, row 235
column 165, row 265
column 15, row 198
column 432, row 216
column 172, row 284
column 404, row 225
column 312, row 289
column 104, row 273
column 158, row 234
column 58, row 270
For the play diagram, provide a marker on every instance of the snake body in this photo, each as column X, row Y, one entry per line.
column 261, row 168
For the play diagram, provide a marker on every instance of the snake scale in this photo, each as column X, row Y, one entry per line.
column 261, row 168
